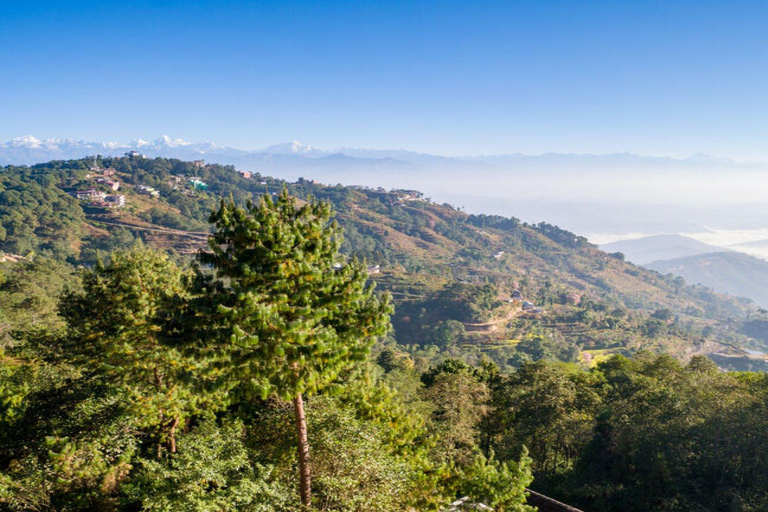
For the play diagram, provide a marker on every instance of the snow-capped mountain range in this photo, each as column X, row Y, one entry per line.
column 29, row 150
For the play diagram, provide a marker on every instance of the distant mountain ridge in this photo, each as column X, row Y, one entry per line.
column 722, row 269
column 28, row 150
column 734, row 273
column 645, row 250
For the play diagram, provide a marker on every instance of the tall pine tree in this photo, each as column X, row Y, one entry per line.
column 294, row 320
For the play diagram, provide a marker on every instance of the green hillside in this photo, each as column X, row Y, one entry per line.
column 730, row 272
column 468, row 285
column 131, row 380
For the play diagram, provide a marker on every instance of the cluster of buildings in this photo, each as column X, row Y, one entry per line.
column 100, row 199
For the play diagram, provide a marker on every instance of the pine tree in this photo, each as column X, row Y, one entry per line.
column 116, row 327
column 295, row 321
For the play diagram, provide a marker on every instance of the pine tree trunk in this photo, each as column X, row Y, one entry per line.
column 305, row 475
column 172, row 434
column 160, row 438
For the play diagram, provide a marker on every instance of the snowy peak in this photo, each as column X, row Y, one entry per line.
column 29, row 150
column 27, row 141
column 170, row 142
column 139, row 143
column 32, row 142
column 293, row 148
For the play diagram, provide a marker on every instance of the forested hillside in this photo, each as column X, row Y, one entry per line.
column 466, row 285
column 135, row 375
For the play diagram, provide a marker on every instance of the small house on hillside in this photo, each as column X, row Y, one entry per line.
column 115, row 201
column 90, row 194
column 530, row 307
column 113, row 184
column 147, row 191
column 198, row 184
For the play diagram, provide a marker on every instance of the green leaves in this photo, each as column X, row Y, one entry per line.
column 498, row 484
column 117, row 328
column 212, row 472
column 293, row 319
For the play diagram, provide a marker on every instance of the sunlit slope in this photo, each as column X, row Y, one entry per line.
column 497, row 279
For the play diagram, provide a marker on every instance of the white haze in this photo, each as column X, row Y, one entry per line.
column 725, row 209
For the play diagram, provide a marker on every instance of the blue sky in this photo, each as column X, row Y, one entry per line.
column 449, row 77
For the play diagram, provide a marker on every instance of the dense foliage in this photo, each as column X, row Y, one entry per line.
column 646, row 433
column 138, row 392
column 36, row 215
column 132, row 378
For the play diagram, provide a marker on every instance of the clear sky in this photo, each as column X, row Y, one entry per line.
column 450, row 77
